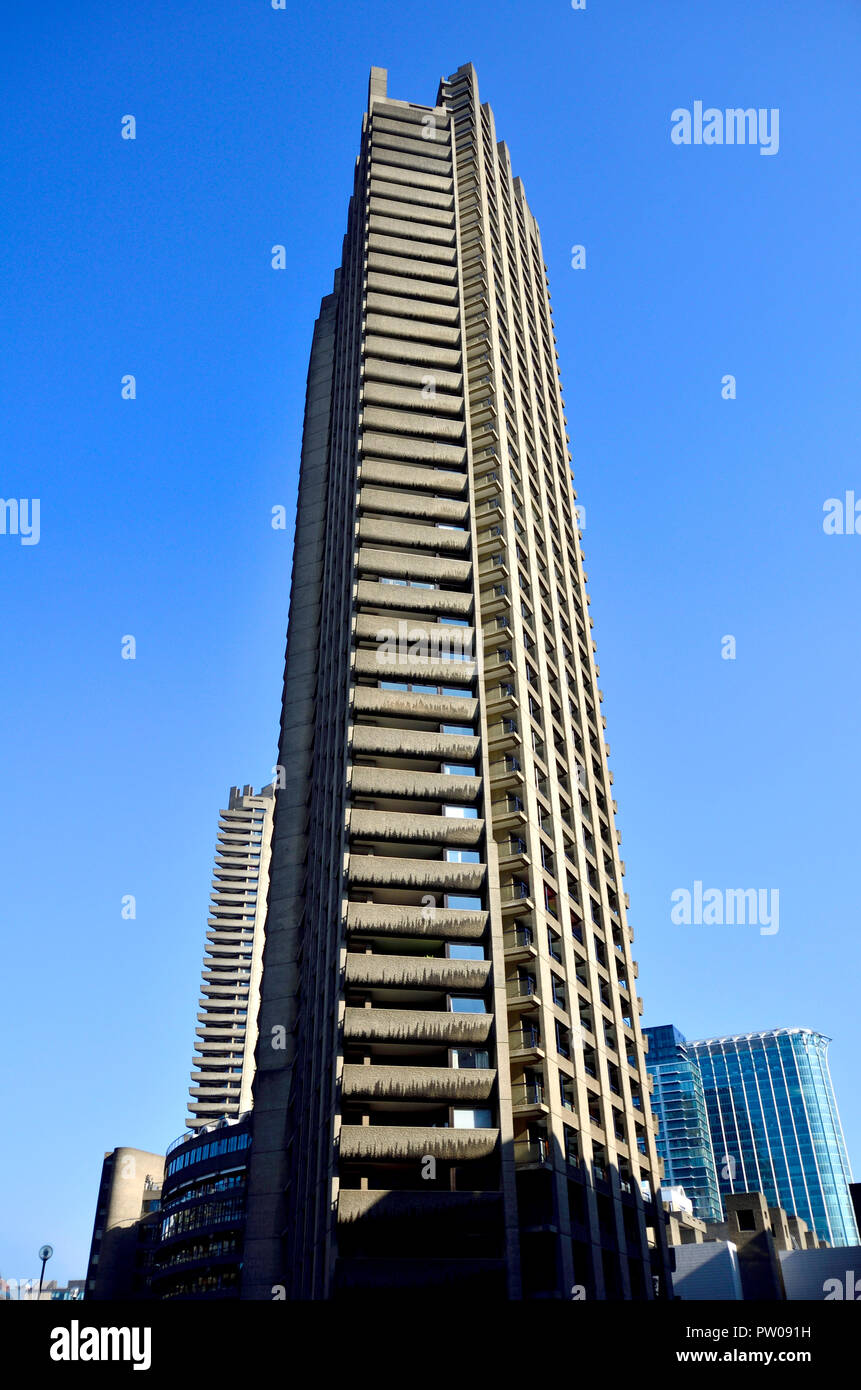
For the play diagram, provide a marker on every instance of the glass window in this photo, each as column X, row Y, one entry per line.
column 464, row 951
column 472, row 1119
column 463, row 1004
column 467, row 1058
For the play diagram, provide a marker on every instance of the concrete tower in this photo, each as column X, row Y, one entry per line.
column 223, row 1065
column 451, row 1091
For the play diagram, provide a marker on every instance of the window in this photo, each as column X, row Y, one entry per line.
column 458, row 951
column 463, row 1004
column 459, row 770
column 462, row 856
column 461, row 812
column 466, row 902
column 464, row 1058
column 472, row 1119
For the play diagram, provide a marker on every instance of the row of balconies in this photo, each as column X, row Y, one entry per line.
column 404, row 475
column 388, row 195
column 400, row 502
column 417, row 972
column 412, row 920
column 374, row 870
column 416, row 1083
column 405, row 827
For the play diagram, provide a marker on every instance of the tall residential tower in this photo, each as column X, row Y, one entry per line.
column 223, row 1065
column 451, row 1088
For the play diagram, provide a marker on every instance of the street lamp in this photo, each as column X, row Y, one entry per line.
column 44, row 1255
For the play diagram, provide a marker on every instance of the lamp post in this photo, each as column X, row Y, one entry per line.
column 44, row 1255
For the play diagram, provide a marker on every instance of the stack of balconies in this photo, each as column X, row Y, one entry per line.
column 220, row 1080
column 419, row 1136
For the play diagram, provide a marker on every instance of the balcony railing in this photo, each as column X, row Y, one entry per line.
column 527, row 1093
column 514, row 891
column 521, row 987
column 531, row 1151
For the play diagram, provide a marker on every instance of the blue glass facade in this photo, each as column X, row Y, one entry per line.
column 684, row 1142
column 775, row 1127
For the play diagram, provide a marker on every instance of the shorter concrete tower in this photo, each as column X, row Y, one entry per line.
column 223, row 1064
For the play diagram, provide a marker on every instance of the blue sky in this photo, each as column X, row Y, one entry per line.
column 703, row 515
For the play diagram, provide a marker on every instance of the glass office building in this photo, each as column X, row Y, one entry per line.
column 684, row 1141
column 775, row 1127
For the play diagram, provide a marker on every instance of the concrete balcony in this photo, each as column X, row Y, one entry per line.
column 411, row 177
column 414, row 743
column 413, row 268
column 389, row 919
column 388, row 328
column 404, row 1142
column 414, row 786
column 430, row 292
column 399, row 503
column 387, row 210
column 417, row 972
column 418, row 1083
column 432, row 569
column 368, row 699
column 424, row 354
column 412, row 376
column 435, row 641
column 383, row 666
column 388, row 196
column 426, row 311
column 414, row 537
column 411, row 450
column 376, row 871
column 424, row 479
column 364, row 824
column 387, row 150
column 416, row 1026
column 403, row 597
column 414, row 421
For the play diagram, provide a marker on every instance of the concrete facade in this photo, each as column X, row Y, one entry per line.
column 125, row 1226
column 759, row 1237
column 451, row 1093
column 223, row 1065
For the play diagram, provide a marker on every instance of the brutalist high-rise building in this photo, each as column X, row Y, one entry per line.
column 223, row 1067
column 451, row 1089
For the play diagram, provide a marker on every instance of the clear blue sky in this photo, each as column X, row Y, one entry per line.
column 703, row 516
